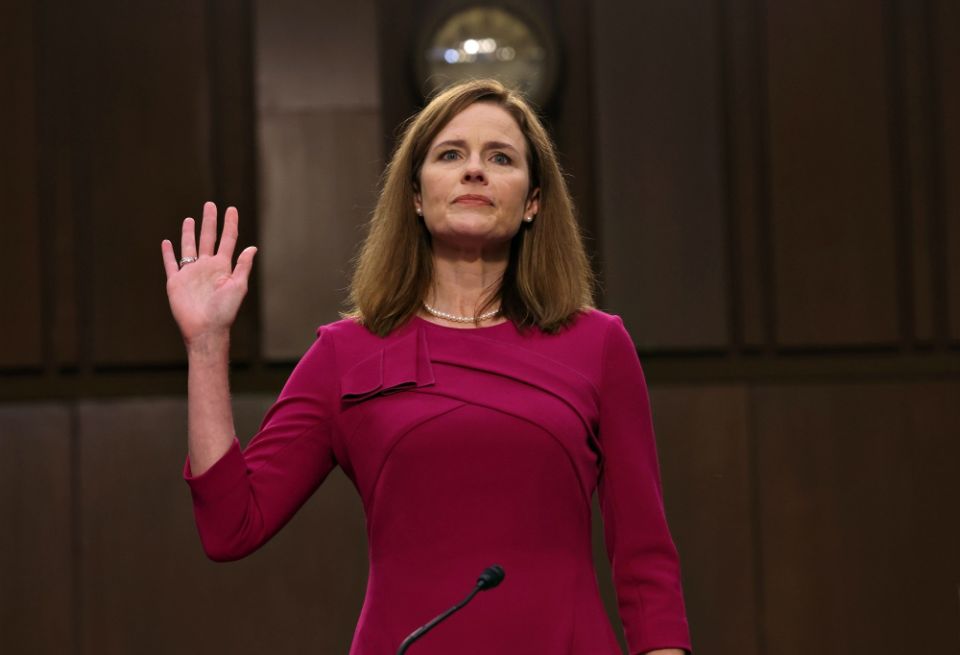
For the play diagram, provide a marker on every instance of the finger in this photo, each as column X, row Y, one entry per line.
column 244, row 264
column 169, row 259
column 188, row 238
column 228, row 239
column 208, row 229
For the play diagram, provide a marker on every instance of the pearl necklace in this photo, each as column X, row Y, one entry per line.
column 460, row 319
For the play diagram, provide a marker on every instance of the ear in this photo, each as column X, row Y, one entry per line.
column 532, row 208
column 417, row 202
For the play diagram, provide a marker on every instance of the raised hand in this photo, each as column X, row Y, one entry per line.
column 206, row 294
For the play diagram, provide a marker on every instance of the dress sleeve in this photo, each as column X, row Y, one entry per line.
column 646, row 569
column 246, row 497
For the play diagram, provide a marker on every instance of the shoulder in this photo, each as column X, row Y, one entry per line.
column 348, row 334
column 595, row 324
column 583, row 344
column 612, row 345
column 345, row 330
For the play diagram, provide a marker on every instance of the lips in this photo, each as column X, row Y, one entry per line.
column 472, row 199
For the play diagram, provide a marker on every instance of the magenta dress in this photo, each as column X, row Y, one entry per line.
column 470, row 447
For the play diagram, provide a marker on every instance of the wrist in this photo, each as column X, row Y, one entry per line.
column 207, row 344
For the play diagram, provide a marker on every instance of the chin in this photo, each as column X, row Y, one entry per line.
column 471, row 237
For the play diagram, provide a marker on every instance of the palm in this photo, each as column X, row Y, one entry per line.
column 206, row 294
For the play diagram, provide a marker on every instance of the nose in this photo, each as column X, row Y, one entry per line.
column 473, row 171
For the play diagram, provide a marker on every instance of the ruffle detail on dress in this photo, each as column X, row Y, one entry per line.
column 402, row 364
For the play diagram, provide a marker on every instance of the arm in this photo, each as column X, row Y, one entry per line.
column 245, row 497
column 204, row 296
column 646, row 570
column 241, row 499
column 209, row 414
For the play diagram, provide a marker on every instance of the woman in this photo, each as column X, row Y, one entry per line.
column 473, row 395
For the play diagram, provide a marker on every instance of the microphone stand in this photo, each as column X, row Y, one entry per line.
column 489, row 579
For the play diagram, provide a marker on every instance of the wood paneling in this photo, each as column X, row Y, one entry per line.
column 228, row 31
column 319, row 179
column 745, row 174
column 946, row 18
column 147, row 112
column 59, row 57
column 319, row 138
column 932, row 487
column 21, row 285
column 831, row 181
column 298, row 71
column 706, row 462
column 148, row 586
column 398, row 26
column 656, row 81
column 852, row 561
column 571, row 117
column 914, row 105
column 36, row 544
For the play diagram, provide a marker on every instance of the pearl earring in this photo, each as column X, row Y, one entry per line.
column 529, row 219
column 419, row 212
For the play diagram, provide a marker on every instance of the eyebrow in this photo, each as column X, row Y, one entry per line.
column 489, row 145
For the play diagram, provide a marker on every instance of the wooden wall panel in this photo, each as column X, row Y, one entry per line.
column 706, row 462
column 744, row 163
column 59, row 127
column 658, row 122
column 831, row 181
column 68, row 261
column 946, row 18
column 571, row 118
column 915, row 104
column 319, row 137
column 229, row 35
column 36, row 544
column 319, row 179
column 852, row 562
column 932, row 569
column 21, row 287
column 317, row 54
column 147, row 112
column 148, row 586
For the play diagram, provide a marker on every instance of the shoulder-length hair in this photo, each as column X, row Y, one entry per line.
column 547, row 279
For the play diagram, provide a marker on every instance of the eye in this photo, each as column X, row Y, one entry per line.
column 501, row 158
column 449, row 155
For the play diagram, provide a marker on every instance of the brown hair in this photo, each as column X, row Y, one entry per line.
column 547, row 279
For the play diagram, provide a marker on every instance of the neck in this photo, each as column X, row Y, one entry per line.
column 463, row 281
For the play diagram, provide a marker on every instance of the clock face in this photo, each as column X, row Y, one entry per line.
column 487, row 41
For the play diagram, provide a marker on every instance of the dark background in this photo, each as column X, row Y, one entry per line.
column 772, row 194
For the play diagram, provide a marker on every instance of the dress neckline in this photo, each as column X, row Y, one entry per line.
column 485, row 329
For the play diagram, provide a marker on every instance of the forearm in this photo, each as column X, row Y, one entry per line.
column 210, row 430
column 665, row 651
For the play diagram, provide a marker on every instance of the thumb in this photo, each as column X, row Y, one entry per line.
column 245, row 263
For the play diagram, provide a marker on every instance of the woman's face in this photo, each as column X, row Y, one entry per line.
column 474, row 182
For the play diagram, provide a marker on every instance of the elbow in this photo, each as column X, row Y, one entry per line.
column 219, row 553
column 221, row 550
column 222, row 555
column 227, row 537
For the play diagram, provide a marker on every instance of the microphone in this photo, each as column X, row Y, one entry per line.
column 490, row 578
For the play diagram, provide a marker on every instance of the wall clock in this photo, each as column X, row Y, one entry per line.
column 489, row 40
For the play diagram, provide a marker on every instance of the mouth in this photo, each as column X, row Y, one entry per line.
column 471, row 199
